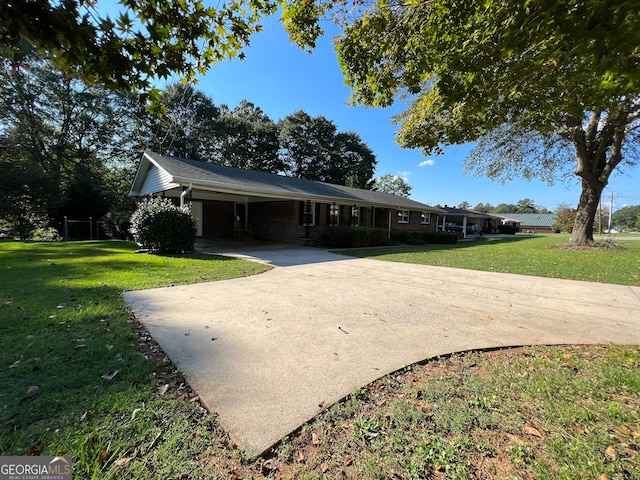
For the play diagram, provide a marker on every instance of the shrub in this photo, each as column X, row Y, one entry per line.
column 117, row 224
column 46, row 234
column 442, row 238
column 354, row 237
column 564, row 221
column 507, row 229
column 163, row 227
column 418, row 237
column 409, row 237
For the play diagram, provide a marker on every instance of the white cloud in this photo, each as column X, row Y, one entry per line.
column 404, row 175
column 425, row 163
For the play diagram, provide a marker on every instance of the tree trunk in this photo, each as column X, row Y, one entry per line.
column 582, row 233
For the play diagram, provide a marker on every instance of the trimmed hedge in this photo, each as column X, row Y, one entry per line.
column 354, row 237
column 163, row 227
column 375, row 237
column 417, row 237
column 508, row 229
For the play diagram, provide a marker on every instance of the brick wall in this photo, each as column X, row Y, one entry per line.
column 280, row 220
column 414, row 222
column 276, row 220
column 217, row 218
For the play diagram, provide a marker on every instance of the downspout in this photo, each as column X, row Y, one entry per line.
column 184, row 194
column 389, row 232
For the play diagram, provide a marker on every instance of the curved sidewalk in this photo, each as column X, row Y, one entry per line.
column 269, row 352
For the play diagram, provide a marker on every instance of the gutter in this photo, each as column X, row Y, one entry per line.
column 184, row 194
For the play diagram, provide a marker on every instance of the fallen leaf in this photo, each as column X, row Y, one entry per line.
column 123, row 461
column 610, row 452
column 103, row 455
column 299, row 456
column 566, row 355
column 603, row 477
column 531, row 430
column 163, row 389
column 15, row 364
column 135, row 412
column 268, row 468
column 110, row 375
column 314, row 438
column 32, row 389
column 324, row 466
column 348, row 461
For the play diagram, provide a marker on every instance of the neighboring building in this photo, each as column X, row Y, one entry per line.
column 231, row 201
column 530, row 222
column 467, row 223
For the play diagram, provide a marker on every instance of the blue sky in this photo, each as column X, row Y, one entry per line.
column 281, row 79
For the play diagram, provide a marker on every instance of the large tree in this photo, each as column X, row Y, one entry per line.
column 59, row 139
column 249, row 139
column 393, row 184
column 312, row 148
column 540, row 85
column 189, row 126
column 144, row 40
column 627, row 217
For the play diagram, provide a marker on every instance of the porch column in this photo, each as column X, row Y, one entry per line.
column 464, row 227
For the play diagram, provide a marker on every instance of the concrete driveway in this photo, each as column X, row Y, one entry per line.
column 269, row 352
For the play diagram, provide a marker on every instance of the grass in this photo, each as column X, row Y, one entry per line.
column 545, row 413
column 541, row 255
column 72, row 375
column 80, row 377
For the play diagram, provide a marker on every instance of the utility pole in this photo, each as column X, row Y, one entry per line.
column 600, row 216
column 610, row 210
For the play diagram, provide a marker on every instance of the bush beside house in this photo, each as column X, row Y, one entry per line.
column 417, row 237
column 163, row 227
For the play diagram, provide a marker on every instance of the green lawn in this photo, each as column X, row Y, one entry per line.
column 542, row 255
column 80, row 377
column 72, row 375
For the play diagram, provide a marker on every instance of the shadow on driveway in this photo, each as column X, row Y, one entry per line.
column 271, row 351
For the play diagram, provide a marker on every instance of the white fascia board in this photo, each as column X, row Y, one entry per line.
column 267, row 193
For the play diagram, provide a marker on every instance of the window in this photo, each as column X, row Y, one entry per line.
column 334, row 215
column 355, row 216
column 307, row 213
column 403, row 216
column 425, row 218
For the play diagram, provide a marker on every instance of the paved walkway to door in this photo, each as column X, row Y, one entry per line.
column 269, row 352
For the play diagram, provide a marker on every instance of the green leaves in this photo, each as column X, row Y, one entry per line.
column 163, row 227
column 182, row 38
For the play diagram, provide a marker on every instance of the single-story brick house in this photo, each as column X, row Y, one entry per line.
column 229, row 201
column 530, row 222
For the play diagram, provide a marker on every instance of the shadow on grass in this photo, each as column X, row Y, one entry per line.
column 364, row 252
column 71, row 370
